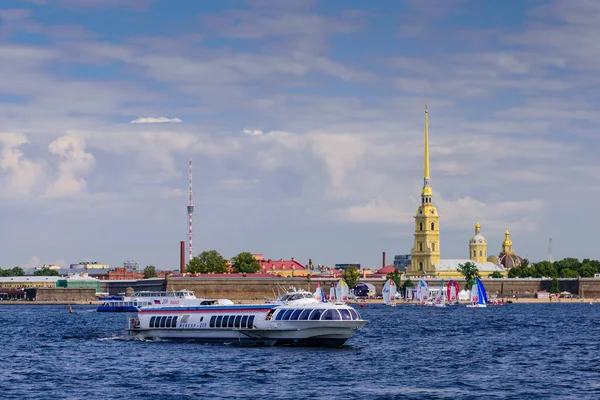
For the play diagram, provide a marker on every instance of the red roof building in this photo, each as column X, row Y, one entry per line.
column 281, row 267
column 388, row 269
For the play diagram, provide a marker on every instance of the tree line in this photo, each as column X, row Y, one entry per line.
column 211, row 262
column 565, row 268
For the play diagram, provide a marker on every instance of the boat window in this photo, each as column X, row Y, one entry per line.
column 345, row 314
column 295, row 315
column 251, row 321
column 212, row 321
column 279, row 315
column 286, row 315
column 185, row 318
column 285, row 297
column 163, row 321
column 315, row 315
column 174, row 322
column 354, row 314
column 219, row 320
column 168, row 323
column 330, row 315
column 244, row 321
column 304, row 315
column 224, row 323
column 238, row 319
column 152, row 319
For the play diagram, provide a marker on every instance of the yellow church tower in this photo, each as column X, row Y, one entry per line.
column 426, row 250
column 478, row 246
column 507, row 243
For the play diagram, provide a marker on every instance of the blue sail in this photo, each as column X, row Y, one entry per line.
column 482, row 296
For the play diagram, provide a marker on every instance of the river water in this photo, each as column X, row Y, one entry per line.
column 518, row 351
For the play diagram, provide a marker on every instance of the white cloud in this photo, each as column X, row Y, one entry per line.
column 153, row 120
column 74, row 164
column 23, row 176
column 252, row 132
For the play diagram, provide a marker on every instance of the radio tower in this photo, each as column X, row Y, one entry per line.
column 190, row 210
column 550, row 258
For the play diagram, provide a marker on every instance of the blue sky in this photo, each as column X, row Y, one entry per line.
column 304, row 120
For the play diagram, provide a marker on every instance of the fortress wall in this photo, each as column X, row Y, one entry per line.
column 65, row 294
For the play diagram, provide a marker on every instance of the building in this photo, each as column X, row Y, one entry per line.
column 27, row 281
column 48, row 266
column 507, row 256
column 402, row 262
column 425, row 254
column 281, row 267
column 342, row 267
column 478, row 246
column 117, row 274
column 89, row 265
column 426, row 250
column 131, row 265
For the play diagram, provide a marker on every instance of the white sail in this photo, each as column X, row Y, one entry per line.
column 332, row 292
column 341, row 291
column 319, row 295
column 389, row 292
column 424, row 295
column 474, row 293
column 453, row 294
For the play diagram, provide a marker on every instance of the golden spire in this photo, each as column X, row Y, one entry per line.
column 477, row 227
column 507, row 243
column 426, row 158
column 427, row 192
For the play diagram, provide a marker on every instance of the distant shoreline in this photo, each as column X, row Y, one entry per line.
column 522, row 300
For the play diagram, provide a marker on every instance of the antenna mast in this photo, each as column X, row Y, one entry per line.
column 190, row 210
column 550, row 257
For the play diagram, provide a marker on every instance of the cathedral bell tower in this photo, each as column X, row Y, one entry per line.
column 426, row 250
column 478, row 246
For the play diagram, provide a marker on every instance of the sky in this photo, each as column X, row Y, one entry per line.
column 304, row 120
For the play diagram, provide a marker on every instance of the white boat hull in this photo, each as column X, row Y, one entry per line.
column 334, row 334
column 301, row 322
column 476, row 305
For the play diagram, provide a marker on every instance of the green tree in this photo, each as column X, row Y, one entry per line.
column 46, row 272
column 351, row 276
column 395, row 276
column 245, row 263
column 469, row 271
column 545, row 269
column 565, row 264
column 495, row 274
column 407, row 284
column 554, row 286
column 207, row 262
column 569, row 273
column 150, row 272
column 587, row 270
column 17, row 271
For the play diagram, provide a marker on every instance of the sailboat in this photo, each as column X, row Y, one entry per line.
column 332, row 292
column 452, row 292
column 440, row 299
column 478, row 295
column 422, row 293
column 389, row 293
column 319, row 295
column 341, row 291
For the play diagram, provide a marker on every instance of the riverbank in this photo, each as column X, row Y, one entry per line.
column 260, row 301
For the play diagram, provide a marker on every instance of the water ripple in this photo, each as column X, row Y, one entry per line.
column 513, row 352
